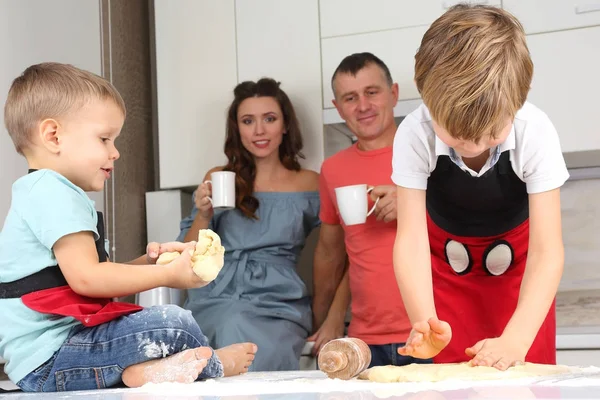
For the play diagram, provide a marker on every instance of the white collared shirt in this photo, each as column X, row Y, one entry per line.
column 535, row 153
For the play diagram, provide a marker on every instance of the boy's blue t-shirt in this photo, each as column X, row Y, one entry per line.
column 45, row 206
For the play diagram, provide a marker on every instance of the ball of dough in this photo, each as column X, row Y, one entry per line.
column 166, row 258
column 208, row 257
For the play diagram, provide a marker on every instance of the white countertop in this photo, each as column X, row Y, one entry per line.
column 313, row 385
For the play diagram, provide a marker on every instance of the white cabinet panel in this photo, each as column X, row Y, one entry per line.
column 396, row 48
column 195, row 72
column 286, row 48
column 346, row 17
column 552, row 15
column 35, row 31
column 578, row 358
column 566, row 84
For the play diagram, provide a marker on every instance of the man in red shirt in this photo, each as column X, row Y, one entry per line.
column 365, row 96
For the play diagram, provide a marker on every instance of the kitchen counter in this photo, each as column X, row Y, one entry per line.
column 313, row 385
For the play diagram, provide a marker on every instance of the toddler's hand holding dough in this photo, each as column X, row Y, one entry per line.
column 208, row 257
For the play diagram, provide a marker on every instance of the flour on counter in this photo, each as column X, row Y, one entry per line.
column 263, row 383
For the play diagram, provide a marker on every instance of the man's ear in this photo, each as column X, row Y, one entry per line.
column 395, row 92
column 48, row 135
column 338, row 108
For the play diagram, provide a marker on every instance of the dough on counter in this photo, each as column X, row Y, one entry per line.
column 462, row 371
column 208, row 257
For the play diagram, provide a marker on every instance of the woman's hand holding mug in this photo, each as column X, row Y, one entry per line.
column 203, row 201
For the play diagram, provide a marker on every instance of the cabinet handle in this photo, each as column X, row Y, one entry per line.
column 587, row 8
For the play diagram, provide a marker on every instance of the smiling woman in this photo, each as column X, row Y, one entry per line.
column 277, row 206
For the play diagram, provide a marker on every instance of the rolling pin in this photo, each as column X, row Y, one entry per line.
column 344, row 358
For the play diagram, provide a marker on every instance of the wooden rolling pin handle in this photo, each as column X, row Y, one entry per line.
column 344, row 358
column 334, row 361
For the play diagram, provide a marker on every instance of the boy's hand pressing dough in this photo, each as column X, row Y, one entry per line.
column 208, row 257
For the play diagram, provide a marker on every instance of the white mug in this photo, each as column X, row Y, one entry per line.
column 223, row 189
column 352, row 203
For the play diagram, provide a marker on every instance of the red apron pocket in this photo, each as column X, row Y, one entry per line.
column 89, row 311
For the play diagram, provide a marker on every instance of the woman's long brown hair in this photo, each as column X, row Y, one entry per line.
column 241, row 160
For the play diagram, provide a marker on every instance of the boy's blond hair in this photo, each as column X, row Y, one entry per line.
column 473, row 70
column 51, row 90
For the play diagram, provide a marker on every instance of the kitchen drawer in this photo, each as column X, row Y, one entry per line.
column 349, row 17
column 553, row 15
column 582, row 358
column 396, row 48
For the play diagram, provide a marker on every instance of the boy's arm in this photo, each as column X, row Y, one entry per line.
column 155, row 249
column 328, row 270
column 412, row 265
column 545, row 262
column 78, row 260
column 412, row 262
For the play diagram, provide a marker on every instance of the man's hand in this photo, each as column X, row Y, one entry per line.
column 386, row 207
column 154, row 249
column 427, row 339
column 500, row 353
column 331, row 329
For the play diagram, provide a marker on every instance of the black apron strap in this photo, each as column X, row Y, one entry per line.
column 49, row 277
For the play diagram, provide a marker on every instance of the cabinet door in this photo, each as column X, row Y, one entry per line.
column 566, row 83
column 195, row 74
column 553, row 15
column 26, row 38
column 280, row 40
column 349, row 17
column 396, row 48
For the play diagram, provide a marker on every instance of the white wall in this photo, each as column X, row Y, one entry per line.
column 34, row 31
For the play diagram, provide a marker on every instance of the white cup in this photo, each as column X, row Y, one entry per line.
column 223, row 189
column 352, row 203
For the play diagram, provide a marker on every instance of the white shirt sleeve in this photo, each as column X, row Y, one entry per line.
column 413, row 158
column 542, row 163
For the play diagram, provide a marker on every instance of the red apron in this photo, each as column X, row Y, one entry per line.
column 479, row 233
column 65, row 302
column 478, row 294
column 47, row 292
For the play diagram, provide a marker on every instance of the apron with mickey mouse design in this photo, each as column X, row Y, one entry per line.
column 478, row 233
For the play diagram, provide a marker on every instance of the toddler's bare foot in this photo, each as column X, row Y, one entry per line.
column 236, row 358
column 182, row 367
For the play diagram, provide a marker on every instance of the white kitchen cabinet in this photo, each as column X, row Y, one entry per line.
column 578, row 358
column 396, row 48
column 566, row 83
column 552, row 15
column 280, row 40
column 349, row 17
column 36, row 31
column 196, row 71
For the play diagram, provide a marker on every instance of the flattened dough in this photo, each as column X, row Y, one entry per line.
column 462, row 371
column 208, row 257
